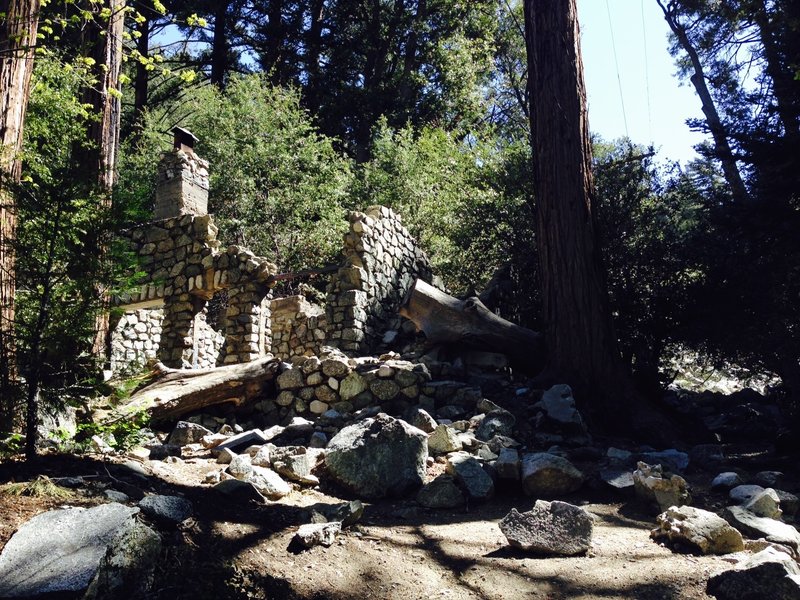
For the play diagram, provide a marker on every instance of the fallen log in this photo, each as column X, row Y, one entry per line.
column 176, row 392
column 447, row 320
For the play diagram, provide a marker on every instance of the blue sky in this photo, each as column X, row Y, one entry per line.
column 656, row 103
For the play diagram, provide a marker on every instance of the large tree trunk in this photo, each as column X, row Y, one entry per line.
column 104, row 39
column 17, row 39
column 219, row 46
column 722, row 148
column 447, row 320
column 176, row 392
column 581, row 343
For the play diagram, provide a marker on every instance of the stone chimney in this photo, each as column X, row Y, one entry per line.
column 182, row 187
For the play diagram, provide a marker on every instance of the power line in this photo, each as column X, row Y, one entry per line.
column 647, row 77
column 616, row 65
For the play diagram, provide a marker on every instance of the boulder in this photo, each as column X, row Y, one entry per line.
column 128, row 568
column 756, row 527
column 697, row 529
column 444, row 439
column 789, row 503
column 166, row 510
column 470, row 475
column 546, row 475
column 768, row 574
column 671, row 460
column 347, row 513
column 549, row 528
column 379, row 457
column 296, row 463
column 768, row 479
column 619, row 479
column 420, row 419
column 656, row 488
column 442, row 492
column 60, row 551
column 186, row 433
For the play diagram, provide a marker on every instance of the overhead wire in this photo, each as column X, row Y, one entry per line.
column 616, row 65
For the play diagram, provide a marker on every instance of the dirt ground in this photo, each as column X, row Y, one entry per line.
column 397, row 551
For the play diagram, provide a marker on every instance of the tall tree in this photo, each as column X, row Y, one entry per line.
column 580, row 336
column 18, row 27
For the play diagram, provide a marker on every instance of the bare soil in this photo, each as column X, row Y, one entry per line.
column 397, row 551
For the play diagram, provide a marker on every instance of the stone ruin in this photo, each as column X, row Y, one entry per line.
column 200, row 305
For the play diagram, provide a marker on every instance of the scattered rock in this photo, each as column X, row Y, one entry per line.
column 164, row 451
column 378, row 457
column 239, row 491
column 549, row 528
column 756, row 527
column 296, row 463
column 768, row 479
column 546, row 475
column 508, row 464
column 167, row 510
column 240, row 466
column 186, row 433
column 347, row 513
column 558, row 406
column 269, row 483
column 768, row 574
column 698, row 529
column 765, row 504
column 656, row 488
column 444, row 439
column 442, row 492
column 420, row 419
column 744, row 493
column 60, row 550
column 789, row 503
column 671, row 460
column 469, row 473
column 241, row 440
column 619, row 479
column 726, row 481
column 496, row 422
column 226, row 456
column 316, row 534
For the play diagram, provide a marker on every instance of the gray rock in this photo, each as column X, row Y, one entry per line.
column 549, row 528
column 619, row 479
column 296, row 463
column 671, row 460
column 263, row 457
column 470, row 475
column 116, row 496
column 707, row 456
column 789, row 503
column 378, row 457
column 318, row 440
column 316, row 534
column 420, row 419
column 768, row 479
column 508, row 464
column 654, row 487
column 240, row 466
column 169, row 510
column 186, row 433
column 128, row 568
column 558, row 406
column 239, row 491
column 269, row 483
column 757, row 527
column 164, row 451
column 444, row 439
column 60, row 550
column 347, row 513
column 351, row 386
column 547, row 475
column 290, row 379
column 442, row 492
column 768, row 574
column 496, row 422
column 699, row 529
column 726, row 481
column 744, row 493
column 765, row 504
column 225, row 457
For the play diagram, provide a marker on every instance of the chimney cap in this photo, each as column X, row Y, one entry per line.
column 183, row 139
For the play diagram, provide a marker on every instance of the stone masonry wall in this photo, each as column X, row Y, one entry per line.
column 381, row 263
column 298, row 327
column 182, row 187
column 136, row 338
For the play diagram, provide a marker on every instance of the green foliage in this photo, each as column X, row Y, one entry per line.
column 277, row 186
column 41, row 487
column 123, row 433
